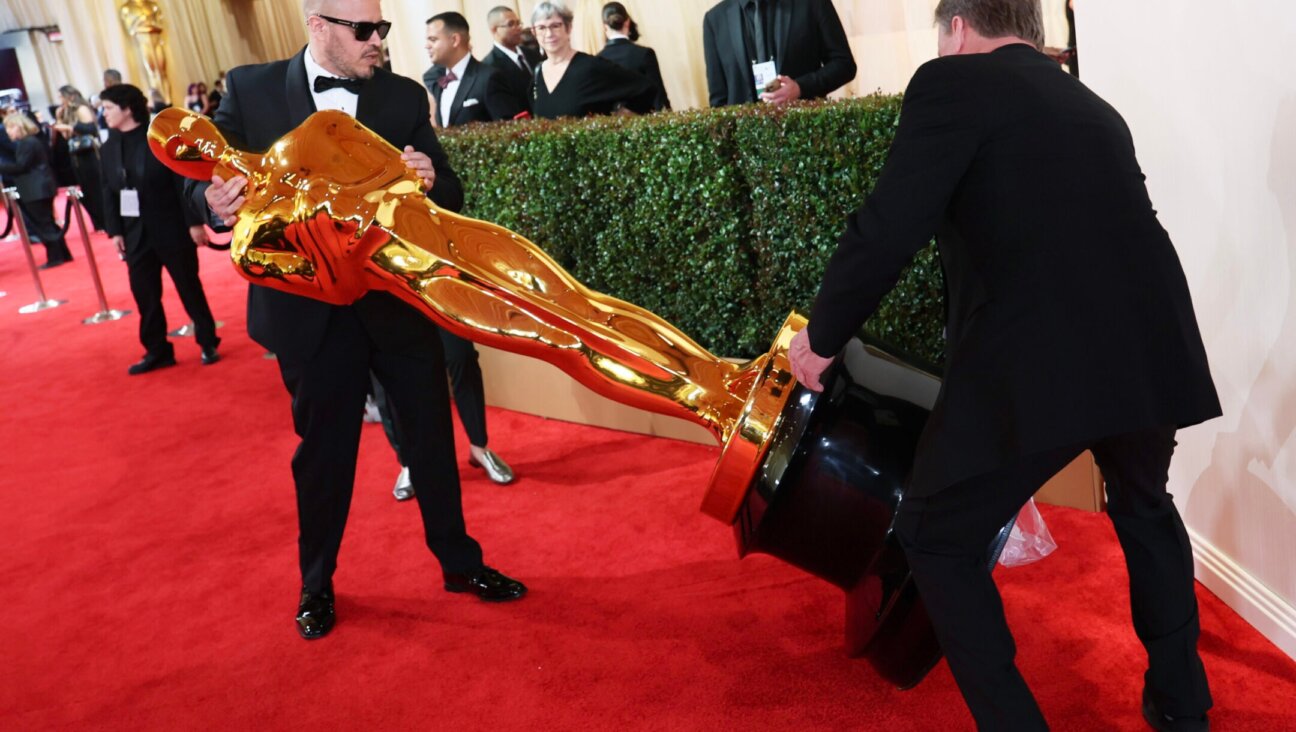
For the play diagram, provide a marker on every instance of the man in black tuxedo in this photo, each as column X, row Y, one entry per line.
column 1070, row 327
column 802, row 38
column 464, row 89
column 146, row 217
column 515, row 61
column 326, row 352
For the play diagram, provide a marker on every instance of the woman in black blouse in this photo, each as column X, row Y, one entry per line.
column 621, row 49
column 75, row 121
column 574, row 84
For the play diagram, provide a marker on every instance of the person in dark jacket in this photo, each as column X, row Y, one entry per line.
column 327, row 352
column 148, row 219
column 1070, row 328
column 798, row 46
column 464, row 89
column 515, row 61
column 31, row 175
column 621, row 49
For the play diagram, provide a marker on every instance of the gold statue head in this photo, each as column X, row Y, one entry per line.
column 302, row 231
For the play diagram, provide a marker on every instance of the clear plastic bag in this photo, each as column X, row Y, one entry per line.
column 1029, row 541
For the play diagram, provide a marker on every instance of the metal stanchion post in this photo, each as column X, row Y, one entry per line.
column 105, row 313
column 44, row 303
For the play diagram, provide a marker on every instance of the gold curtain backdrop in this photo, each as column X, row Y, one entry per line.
column 889, row 38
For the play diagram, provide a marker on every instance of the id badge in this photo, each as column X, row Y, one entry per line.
column 763, row 74
column 130, row 203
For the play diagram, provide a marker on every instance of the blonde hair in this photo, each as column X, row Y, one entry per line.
column 18, row 120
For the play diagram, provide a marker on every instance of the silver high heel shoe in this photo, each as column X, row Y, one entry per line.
column 404, row 489
column 496, row 469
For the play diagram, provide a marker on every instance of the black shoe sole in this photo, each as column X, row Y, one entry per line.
column 510, row 598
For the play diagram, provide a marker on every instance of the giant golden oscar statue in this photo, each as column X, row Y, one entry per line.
column 142, row 20
column 332, row 212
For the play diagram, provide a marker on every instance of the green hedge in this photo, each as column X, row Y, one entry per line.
column 718, row 220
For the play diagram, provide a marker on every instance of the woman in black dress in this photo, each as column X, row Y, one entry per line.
column 76, row 122
column 574, row 84
column 621, row 49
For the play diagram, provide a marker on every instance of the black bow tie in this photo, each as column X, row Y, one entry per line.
column 324, row 83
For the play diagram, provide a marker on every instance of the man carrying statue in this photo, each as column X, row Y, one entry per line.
column 327, row 351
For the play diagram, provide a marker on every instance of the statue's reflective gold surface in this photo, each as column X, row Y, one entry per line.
column 332, row 213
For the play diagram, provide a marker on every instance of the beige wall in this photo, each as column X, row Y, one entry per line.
column 1214, row 119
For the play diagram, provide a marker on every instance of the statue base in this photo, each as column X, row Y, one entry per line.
column 826, row 475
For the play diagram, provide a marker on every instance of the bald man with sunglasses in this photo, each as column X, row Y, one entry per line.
column 326, row 352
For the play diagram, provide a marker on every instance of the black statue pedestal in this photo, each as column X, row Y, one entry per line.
column 825, row 496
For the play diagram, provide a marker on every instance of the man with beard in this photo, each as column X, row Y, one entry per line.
column 326, row 352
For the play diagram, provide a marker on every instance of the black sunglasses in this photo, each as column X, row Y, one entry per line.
column 364, row 29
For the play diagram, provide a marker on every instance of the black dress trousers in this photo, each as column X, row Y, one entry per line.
column 946, row 538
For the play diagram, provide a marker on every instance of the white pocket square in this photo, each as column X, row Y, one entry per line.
column 470, row 102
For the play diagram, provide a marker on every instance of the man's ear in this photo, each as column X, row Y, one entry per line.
column 958, row 33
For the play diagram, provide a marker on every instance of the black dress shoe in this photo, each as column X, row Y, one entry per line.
column 151, row 362
column 486, row 584
column 54, row 263
column 210, row 356
column 315, row 615
column 1163, row 722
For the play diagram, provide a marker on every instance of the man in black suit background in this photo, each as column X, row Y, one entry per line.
column 803, row 39
column 146, row 217
column 326, row 352
column 512, row 59
column 1070, row 327
column 464, row 89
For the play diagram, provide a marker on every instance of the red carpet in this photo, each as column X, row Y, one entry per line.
column 150, row 573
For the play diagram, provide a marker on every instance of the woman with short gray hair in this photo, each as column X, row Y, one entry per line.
column 569, row 83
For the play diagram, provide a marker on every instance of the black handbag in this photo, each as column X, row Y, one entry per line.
column 82, row 144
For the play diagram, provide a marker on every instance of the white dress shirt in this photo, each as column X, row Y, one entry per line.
column 335, row 98
column 451, row 89
column 517, row 57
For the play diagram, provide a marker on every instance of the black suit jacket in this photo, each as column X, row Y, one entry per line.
column 809, row 42
column 164, row 219
column 483, row 95
column 1069, row 314
column 30, row 172
column 392, row 106
column 516, row 80
column 640, row 59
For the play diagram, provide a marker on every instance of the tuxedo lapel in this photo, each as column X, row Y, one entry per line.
column 782, row 26
column 467, row 88
column 296, row 92
column 370, row 101
column 736, row 22
column 434, row 88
